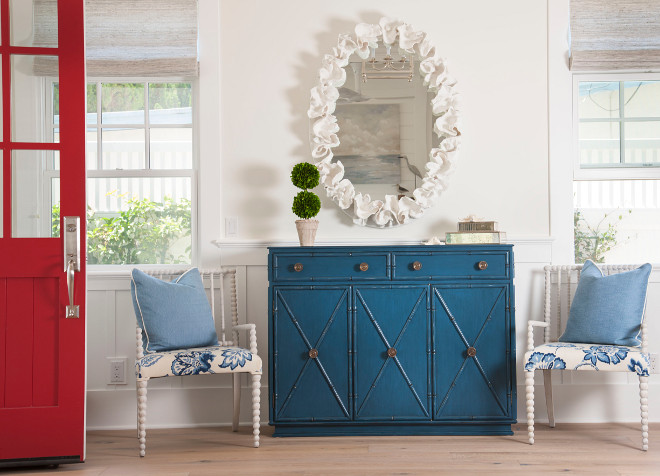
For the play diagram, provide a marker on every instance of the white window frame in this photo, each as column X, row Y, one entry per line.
column 191, row 173
column 611, row 172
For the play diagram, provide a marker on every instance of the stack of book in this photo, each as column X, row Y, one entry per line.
column 475, row 232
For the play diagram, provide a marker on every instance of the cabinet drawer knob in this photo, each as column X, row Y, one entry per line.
column 391, row 352
column 417, row 265
column 364, row 266
column 471, row 351
column 298, row 267
column 482, row 265
column 313, row 353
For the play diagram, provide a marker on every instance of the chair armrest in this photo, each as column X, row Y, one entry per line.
column 253, row 334
column 139, row 351
column 530, row 332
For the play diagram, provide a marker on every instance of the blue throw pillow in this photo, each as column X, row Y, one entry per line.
column 608, row 309
column 174, row 315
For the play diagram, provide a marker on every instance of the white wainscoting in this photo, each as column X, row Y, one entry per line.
column 206, row 400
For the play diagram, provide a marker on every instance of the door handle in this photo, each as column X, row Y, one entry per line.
column 71, row 260
column 72, row 310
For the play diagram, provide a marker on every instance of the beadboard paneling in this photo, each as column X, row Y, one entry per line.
column 206, row 400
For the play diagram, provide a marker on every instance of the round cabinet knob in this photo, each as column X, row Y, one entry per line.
column 471, row 351
column 391, row 352
column 482, row 265
column 417, row 265
column 364, row 266
column 313, row 353
column 298, row 267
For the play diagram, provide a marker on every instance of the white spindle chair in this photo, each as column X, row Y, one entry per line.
column 560, row 285
column 214, row 281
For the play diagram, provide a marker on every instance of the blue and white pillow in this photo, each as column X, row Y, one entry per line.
column 174, row 315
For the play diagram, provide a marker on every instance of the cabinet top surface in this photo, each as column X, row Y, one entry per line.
column 390, row 248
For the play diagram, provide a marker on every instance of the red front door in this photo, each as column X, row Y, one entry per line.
column 42, row 351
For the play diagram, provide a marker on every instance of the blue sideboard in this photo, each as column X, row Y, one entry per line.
column 391, row 340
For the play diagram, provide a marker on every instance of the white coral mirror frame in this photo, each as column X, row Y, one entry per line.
column 393, row 210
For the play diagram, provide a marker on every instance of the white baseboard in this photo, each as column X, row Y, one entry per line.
column 198, row 407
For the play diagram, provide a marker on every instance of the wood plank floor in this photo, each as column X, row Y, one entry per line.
column 604, row 449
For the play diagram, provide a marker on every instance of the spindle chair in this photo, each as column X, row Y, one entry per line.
column 238, row 360
column 560, row 285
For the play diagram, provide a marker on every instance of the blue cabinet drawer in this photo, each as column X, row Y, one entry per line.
column 315, row 266
column 450, row 265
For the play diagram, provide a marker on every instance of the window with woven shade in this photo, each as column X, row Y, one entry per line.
column 614, row 35
column 142, row 69
column 129, row 38
column 615, row 58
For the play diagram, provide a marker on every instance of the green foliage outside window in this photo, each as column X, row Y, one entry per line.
column 593, row 241
column 146, row 232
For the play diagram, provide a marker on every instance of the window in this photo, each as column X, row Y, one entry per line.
column 140, row 164
column 617, row 168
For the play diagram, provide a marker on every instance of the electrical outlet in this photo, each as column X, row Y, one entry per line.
column 117, row 370
column 653, row 364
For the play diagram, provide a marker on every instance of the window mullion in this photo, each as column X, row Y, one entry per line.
column 99, row 137
column 147, row 139
column 622, row 145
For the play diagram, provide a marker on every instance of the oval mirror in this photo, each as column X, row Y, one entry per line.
column 384, row 123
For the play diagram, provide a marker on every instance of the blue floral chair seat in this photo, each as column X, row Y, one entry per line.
column 201, row 360
column 577, row 356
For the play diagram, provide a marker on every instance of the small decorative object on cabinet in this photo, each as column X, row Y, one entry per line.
column 306, row 204
column 474, row 230
column 377, row 340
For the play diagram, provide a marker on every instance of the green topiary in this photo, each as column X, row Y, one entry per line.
column 306, row 204
column 305, row 175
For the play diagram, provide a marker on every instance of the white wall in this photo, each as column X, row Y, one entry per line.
column 270, row 61
column 258, row 62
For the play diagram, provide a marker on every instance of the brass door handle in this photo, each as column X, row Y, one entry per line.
column 313, row 353
column 417, row 265
column 391, row 352
column 482, row 265
column 471, row 351
column 298, row 267
column 364, row 266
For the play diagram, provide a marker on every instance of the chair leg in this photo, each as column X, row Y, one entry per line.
column 529, row 384
column 142, row 414
column 644, row 406
column 236, row 384
column 256, row 407
column 547, row 384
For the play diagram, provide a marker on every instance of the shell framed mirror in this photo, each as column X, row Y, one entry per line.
column 384, row 123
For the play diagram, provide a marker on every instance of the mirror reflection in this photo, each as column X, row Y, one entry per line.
column 385, row 123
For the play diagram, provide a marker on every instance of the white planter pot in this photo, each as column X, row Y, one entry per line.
column 307, row 231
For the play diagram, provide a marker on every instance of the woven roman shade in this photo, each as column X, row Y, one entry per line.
column 614, row 34
column 129, row 38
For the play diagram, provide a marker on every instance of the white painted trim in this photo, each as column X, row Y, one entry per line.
column 115, row 410
column 560, row 138
column 223, row 243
